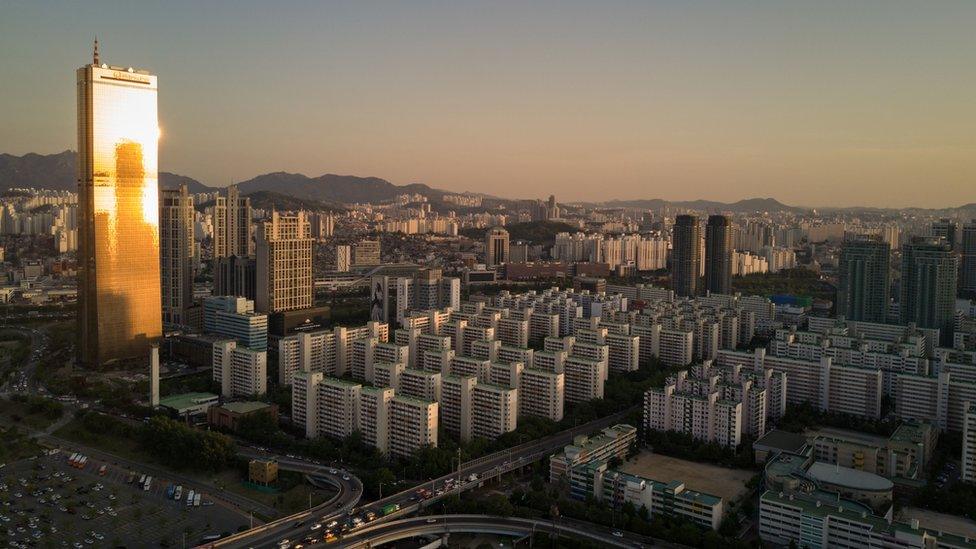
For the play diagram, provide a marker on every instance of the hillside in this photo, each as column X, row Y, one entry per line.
column 333, row 188
column 57, row 172
column 268, row 200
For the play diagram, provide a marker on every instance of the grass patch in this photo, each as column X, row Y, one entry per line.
column 32, row 412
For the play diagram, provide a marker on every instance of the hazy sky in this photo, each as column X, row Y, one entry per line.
column 813, row 103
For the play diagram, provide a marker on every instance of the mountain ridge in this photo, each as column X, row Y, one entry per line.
column 57, row 172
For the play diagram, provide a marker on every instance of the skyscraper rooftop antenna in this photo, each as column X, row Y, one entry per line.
column 95, row 62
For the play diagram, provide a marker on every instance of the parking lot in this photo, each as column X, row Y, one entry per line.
column 45, row 502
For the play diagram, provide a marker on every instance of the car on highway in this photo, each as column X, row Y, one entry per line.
column 618, row 534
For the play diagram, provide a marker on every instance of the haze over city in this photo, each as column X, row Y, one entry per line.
column 814, row 104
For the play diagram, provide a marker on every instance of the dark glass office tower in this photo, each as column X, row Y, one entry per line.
column 685, row 255
column 718, row 254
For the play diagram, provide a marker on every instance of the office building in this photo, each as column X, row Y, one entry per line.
column 284, row 264
column 366, row 253
column 612, row 442
column 928, row 285
column 232, row 225
column 718, row 254
column 119, row 303
column 947, row 230
column 496, row 247
column 597, row 480
column 824, row 521
column 863, row 270
column 234, row 317
column 241, row 372
column 176, row 254
column 235, row 276
column 685, row 255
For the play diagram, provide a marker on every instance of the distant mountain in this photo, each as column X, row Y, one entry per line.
column 742, row 206
column 334, row 188
column 57, row 172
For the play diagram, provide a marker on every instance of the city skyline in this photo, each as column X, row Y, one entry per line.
column 625, row 109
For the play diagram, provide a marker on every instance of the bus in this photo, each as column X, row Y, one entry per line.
column 391, row 508
column 145, row 487
column 178, row 494
column 210, row 538
column 196, row 500
column 142, row 480
column 189, row 499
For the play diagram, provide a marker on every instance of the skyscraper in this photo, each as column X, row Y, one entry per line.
column 118, row 198
column 496, row 247
column 685, row 255
column 862, row 293
column 284, row 264
column 232, row 225
column 176, row 253
column 718, row 254
column 967, row 246
column 928, row 285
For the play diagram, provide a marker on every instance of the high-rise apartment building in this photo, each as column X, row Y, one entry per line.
column 413, row 425
column 393, row 297
column 118, row 205
column 284, row 264
column 685, row 255
column 343, row 258
column 967, row 246
column 496, row 247
column 862, row 293
column 718, row 254
column 968, row 472
column 494, row 410
column 232, row 225
column 322, row 225
column 176, row 254
column 241, row 372
column 928, row 285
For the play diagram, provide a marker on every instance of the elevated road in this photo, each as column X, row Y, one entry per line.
column 470, row 475
column 439, row 525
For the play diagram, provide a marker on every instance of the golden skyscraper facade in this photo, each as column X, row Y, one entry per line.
column 118, row 197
